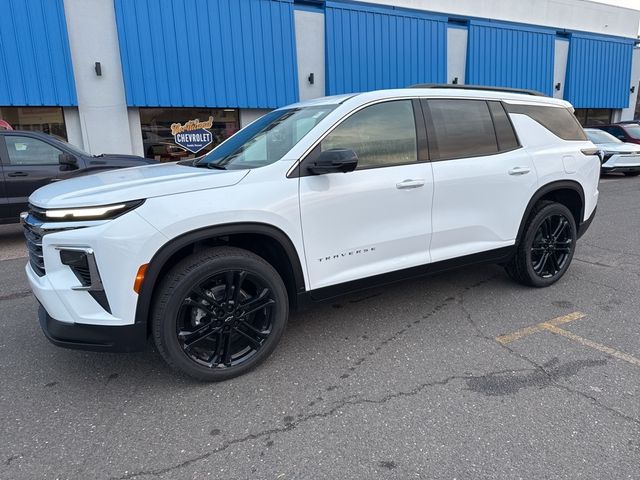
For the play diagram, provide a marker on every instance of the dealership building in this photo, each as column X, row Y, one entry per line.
column 112, row 76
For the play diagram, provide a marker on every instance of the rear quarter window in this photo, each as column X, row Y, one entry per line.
column 558, row 120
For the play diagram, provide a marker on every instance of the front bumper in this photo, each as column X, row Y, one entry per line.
column 624, row 163
column 124, row 338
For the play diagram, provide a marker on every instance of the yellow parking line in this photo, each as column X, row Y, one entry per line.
column 589, row 343
column 511, row 337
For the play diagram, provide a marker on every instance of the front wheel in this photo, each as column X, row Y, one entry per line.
column 219, row 313
column 547, row 246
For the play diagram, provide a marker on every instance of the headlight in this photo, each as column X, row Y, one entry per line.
column 102, row 212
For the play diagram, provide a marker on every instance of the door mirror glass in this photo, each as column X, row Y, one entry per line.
column 334, row 161
column 67, row 160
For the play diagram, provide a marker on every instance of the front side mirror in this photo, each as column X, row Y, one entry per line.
column 67, row 160
column 337, row 160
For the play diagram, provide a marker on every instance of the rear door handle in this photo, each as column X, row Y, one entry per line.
column 409, row 183
column 17, row 174
column 519, row 171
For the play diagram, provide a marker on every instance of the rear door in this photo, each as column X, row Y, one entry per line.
column 483, row 179
column 28, row 163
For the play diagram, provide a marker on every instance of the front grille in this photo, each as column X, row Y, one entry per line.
column 34, row 246
column 32, row 223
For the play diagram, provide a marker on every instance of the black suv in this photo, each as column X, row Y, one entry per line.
column 29, row 160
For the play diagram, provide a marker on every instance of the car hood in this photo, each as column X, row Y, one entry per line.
column 619, row 147
column 135, row 183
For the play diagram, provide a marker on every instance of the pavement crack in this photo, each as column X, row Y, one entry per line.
column 8, row 461
column 15, row 295
column 341, row 404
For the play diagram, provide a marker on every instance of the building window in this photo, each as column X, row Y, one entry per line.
column 594, row 116
column 159, row 143
column 48, row 120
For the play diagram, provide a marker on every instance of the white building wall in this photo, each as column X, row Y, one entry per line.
column 560, row 66
column 456, row 54
column 73, row 127
column 248, row 115
column 310, row 53
column 102, row 108
column 570, row 14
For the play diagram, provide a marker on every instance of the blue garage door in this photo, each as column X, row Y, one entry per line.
column 35, row 61
column 208, row 53
column 371, row 48
column 599, row 71
column 504, row 55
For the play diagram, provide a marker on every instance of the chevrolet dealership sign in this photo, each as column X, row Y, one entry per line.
column 193, row 135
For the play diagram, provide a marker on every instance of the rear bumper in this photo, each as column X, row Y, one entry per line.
column 126, row 338
column 584, row 226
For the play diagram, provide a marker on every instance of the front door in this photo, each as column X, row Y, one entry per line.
column 376, row 219
column 28, row 164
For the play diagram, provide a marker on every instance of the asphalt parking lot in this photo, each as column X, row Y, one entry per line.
column 462, row 375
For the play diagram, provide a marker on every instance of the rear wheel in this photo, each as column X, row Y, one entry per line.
column 547, row 246
column 219, row 313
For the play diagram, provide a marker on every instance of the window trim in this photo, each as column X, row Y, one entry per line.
column 298, row 170
column 6, row 161
column 433, row 143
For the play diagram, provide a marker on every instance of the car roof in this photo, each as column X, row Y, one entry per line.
column 435, row 92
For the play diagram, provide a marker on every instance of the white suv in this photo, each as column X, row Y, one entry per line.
column 308, row 202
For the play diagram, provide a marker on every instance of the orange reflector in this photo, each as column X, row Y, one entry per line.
column 137, row 284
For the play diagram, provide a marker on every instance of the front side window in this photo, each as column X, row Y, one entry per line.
column 30, row 151
column 462, row 128
column 381, row 135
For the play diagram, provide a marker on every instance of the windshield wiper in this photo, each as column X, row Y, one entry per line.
column 216, row 166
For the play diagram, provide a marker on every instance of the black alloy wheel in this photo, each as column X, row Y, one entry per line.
column 546, row 247
column 552, row 246
column 226, row 319
column 219, row 313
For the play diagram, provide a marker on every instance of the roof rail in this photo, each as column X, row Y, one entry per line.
column 479, row 87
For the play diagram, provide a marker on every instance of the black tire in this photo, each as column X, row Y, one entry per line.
column 218, row 301
column 539, row 261
column 631, row 174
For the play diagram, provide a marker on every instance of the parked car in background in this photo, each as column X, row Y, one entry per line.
column 30, row 160
column 627, row 132
column 616, row 155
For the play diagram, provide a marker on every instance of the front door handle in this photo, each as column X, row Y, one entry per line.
column 409, row 183
column 17, row 174
column 519, row 171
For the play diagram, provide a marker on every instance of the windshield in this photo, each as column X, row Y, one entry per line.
column 599, row 136
column 633, row 131
column 266, row 140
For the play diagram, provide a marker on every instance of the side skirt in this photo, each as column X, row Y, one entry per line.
column 499, row 255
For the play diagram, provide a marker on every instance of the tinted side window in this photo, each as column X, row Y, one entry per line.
column 462, row 128
column 381, row 135
column 505, row 134
column 557, row 120
column 30, row 151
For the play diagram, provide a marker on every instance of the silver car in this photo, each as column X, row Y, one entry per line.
column 616, row 155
